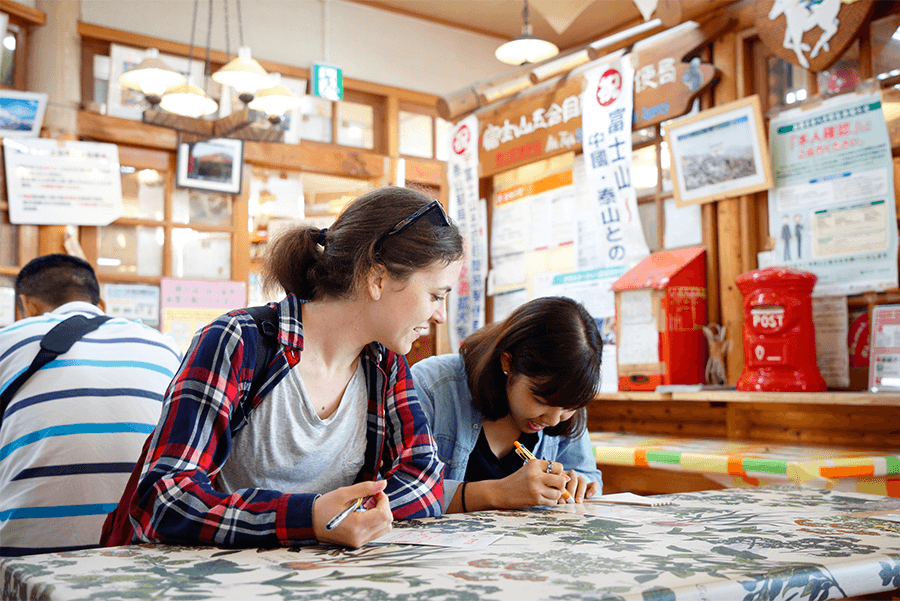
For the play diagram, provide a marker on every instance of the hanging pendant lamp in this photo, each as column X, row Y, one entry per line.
column 527, row 48
column 275, row 101
column 152, row 77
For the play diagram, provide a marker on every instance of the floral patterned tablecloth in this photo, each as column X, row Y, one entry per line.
column 768, row 543
column 735, row 463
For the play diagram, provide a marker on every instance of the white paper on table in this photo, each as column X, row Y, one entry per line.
column 630, row 499
column 607, row 511
column 889, row 517
column 438, row 539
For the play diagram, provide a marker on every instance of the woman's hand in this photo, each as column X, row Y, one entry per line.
column 531, row 485
column 358, row 528
column 580, row 488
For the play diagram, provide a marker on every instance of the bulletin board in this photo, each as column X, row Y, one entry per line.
column 532, row 229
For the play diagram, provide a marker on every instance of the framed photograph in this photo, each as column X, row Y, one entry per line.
column 215, row 164
column 21, row 113
column 719, row 153
column 130, row 104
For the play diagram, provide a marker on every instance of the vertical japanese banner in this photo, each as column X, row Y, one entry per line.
column 607, row 108
column 466, row 302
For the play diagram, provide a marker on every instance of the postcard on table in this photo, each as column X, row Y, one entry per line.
column 439, row 539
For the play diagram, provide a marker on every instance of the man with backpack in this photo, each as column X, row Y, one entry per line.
column 79, row 393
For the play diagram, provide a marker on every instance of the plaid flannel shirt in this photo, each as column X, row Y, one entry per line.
column 176, row 500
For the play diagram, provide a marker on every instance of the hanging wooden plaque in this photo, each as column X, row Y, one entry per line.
column 811, row 33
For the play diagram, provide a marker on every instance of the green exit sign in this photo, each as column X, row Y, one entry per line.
column 327, row 82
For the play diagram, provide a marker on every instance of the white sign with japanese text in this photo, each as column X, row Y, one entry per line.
column 607, row 107
column 62, row 183
column 466, row 300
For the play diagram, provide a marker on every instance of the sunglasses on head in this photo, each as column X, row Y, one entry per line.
column 432, row 212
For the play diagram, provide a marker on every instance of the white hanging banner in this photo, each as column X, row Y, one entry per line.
column 607, row 107
column 466, row 302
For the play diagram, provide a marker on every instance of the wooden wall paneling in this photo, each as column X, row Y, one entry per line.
column 240, row 239
column 319, row 158
column 88, row 237
column 729, row 224
column 51, row 239
column 652, row 481
column 711, row 243
column 125, row 131
column 22, row 12
column 29, row 246
column 677, row 418
column 852, row 426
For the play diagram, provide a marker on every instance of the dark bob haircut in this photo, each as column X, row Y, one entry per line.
column 555, row 343
column 312, row 265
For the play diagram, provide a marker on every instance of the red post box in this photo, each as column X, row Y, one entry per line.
column 779, row 337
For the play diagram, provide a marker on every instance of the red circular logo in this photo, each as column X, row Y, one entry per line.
column 609, row 88
column 461, row 139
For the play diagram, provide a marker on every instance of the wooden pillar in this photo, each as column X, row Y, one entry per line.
column 54, row 67
column 729, row 220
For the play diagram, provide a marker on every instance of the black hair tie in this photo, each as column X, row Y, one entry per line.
column 321, row 240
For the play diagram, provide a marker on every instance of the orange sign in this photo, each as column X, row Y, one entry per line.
column 539, row 126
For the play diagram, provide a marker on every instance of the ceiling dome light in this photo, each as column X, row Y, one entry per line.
column 527, row 48
column 152, row 77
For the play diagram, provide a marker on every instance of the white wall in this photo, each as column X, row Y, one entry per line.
column 368, row 44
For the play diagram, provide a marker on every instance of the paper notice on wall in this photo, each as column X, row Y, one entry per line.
column 509, row 270
column 638, row 341
column 830, row 318
column 507, row 302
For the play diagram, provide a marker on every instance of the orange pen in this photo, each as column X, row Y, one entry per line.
column 528, row 456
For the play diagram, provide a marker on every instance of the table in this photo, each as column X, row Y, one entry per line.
column 754, row 543
column 739, row 464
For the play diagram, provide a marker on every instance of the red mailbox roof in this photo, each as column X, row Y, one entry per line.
column 657, row 270
column 782, row 277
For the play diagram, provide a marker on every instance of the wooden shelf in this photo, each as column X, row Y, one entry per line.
column 733, row 396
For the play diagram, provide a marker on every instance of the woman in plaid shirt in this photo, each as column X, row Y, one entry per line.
column 337, row 418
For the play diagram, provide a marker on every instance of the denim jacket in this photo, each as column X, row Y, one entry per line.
column 456, row 424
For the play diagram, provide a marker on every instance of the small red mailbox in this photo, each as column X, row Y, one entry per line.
column 779, row 336
column 660, row 313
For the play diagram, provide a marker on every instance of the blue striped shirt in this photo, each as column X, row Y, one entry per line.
column 72, row 433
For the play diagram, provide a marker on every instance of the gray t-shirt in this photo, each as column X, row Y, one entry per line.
column 286, row 447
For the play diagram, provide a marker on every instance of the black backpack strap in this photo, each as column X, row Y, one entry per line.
column 266, row 319
column 54, row 343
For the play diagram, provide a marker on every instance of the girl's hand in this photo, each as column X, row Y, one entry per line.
column 358, row 528
column 531, row 485
column 580, row 488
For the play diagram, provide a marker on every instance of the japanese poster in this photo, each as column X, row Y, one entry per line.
column 133, row 301
column 606, row 124
column 187, row 306
column 61, row 183
column 466, row 300
column 832, row 209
